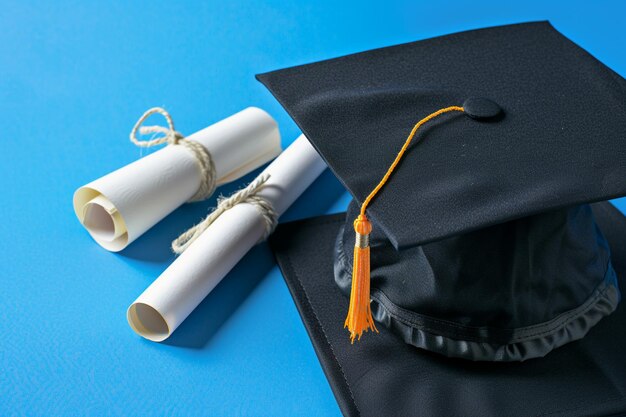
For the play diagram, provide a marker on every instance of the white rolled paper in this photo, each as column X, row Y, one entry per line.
column 192, row 276
column 119, row 207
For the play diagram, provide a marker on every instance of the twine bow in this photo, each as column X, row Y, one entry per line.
column 172, row 137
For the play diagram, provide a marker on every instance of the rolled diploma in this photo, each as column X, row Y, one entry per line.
column 119, row 207
column 194, row 274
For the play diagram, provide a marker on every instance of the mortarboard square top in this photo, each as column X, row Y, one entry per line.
column 559, row 141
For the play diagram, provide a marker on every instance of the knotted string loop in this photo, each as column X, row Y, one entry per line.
column 172, row 137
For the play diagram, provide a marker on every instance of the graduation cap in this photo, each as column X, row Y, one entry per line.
column 476, row 162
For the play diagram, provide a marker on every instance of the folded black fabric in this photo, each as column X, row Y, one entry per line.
column 382, row 376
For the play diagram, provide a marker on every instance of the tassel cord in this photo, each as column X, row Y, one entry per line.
column 359, row 318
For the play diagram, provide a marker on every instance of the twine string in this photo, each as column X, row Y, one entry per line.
column 171, row 136
column 248, row 195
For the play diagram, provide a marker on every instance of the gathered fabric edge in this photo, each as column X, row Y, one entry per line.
column 459, row 341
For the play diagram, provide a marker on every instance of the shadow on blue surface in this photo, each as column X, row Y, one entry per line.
column 206, row 320
column 318, row 199
column 620, row 203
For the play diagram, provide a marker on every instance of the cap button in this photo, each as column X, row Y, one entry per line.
column 481, row 108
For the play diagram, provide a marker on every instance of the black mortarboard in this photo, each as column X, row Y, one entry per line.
column 484, row 244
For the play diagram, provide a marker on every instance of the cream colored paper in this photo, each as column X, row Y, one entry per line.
column 192, row 276
column 119, row 207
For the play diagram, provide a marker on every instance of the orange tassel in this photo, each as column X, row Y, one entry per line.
column 359, row 317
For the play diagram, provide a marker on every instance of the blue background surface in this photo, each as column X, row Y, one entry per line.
column 74, row 77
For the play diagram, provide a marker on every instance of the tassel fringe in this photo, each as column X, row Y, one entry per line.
column 359, row 317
